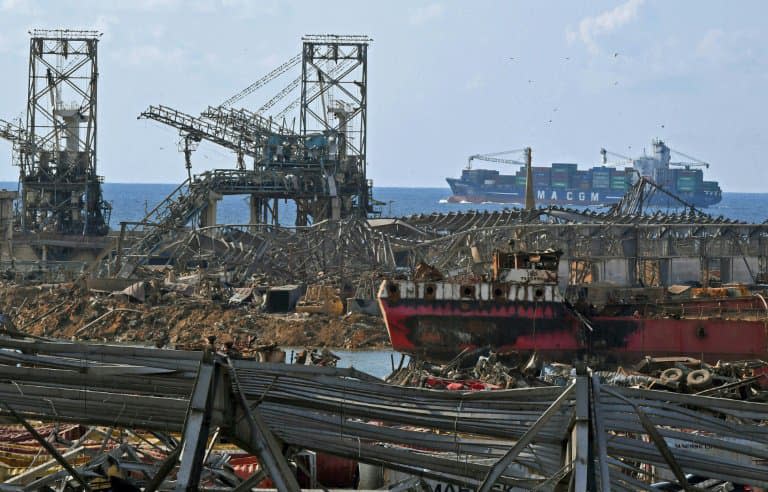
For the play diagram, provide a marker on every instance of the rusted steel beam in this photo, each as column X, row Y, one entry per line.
column 497, row 470
column 196, row 427
column 252, row 431
column 658, row 440
column 599, row 431
column 165, row 468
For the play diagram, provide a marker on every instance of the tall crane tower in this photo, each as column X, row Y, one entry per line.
column 337, row 66
column 61, row 190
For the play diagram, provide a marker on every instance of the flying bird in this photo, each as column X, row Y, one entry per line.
column 615, row 54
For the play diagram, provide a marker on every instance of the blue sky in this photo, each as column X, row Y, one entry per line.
column 446, row 79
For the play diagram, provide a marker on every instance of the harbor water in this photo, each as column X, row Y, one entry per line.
column 131, row 202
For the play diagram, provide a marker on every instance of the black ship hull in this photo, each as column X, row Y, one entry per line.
column 464, row 192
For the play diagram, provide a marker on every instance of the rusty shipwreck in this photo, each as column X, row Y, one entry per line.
column 522, row 309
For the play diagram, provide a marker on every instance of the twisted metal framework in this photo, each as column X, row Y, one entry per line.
column 321, row 168
column 590, row 433
column 646, row 250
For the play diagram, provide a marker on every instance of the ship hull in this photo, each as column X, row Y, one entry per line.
column 439, row 330
column 467, row 193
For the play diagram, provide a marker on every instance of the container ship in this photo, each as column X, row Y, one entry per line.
column 565, row 184
column 522, row 310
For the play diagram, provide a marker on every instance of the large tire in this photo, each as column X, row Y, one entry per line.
column 700, row 379
column 673, row 375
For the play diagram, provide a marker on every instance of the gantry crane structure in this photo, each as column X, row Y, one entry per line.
column 60, row 220
column 56, row 150
column 321, row 166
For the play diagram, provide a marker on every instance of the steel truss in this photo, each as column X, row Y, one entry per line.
column 61, row 187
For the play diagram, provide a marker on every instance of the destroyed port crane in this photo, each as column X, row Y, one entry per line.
column 263, row 81
column 23, row 142
column 56, row 148
column 321, row 167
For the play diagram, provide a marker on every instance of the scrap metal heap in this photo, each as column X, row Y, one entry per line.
column 626, row 250
column 166, row 405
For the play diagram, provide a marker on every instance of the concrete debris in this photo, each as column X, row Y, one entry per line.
column 241, row 295
column 134, row 291
column 179, row 319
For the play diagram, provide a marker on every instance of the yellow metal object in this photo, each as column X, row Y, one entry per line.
column 321, row 299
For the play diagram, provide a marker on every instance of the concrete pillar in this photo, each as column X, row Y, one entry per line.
column 597, row 271
column 629, row 248
column 665, row 271
column 631, row 272
column 563, row 272
column 726, row 270
column 6, row 213
column 208, row 215
column 275, row 211
column 254, row 216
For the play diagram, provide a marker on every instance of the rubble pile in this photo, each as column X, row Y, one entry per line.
column 166, row 317
column 484, row 370
column 476, row 370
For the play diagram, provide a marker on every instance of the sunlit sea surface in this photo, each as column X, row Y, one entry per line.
column 130, row 202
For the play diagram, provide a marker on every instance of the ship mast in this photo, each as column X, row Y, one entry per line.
column 530, row 200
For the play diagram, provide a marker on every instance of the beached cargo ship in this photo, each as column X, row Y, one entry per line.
column 565, row 184
column 522, row 309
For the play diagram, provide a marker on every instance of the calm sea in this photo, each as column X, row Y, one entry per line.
column 130, row 202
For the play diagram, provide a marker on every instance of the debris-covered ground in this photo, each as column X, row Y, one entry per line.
column 71, row 311
column 484, row 370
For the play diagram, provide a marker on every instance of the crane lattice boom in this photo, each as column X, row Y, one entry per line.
column 264, row 80
column 695, row 162
column 493, row 157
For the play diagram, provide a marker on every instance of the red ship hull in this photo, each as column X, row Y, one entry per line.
column 439, row 330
